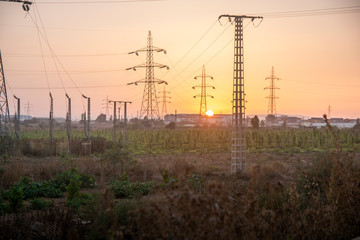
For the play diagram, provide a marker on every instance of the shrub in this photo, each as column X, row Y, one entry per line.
column 72, row 190
column 125, row 189
column 38, row 204
column 196, row 182
column 15, row 198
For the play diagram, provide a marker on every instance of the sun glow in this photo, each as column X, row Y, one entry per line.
column 209, row 113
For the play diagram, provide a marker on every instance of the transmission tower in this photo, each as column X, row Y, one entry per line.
column 51, row 123
column 4, row 105
column 17, row 119
column 203, row 95
column 238, row 145
column 329, row 112
column 107, row 107
column 164, row 101
column 68, row 122
column 149, row 105
column 272, row 96
column 27, row 109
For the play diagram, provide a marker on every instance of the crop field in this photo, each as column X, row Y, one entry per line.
column 176, row 184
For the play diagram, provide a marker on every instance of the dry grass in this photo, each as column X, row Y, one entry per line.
column 280, row 197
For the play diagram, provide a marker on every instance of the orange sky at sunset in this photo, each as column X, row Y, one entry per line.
column 317, row 57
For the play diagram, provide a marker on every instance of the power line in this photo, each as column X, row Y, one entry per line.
column 64, row 55
column 100, row 2
column 312, row 12
column 73, row 87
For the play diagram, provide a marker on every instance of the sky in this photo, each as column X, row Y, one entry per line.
column 316, row 57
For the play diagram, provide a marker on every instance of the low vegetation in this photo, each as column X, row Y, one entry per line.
column 184, row 191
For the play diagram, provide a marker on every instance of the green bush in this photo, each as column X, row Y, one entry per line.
column 15, row 198
column 125, row 189
column 63, row 179
column 72, row 190
column 196, row 182
column 77, row 201
column 38, row 204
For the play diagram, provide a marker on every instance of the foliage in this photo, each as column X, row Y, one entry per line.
column 119, row 156
column 196, row 182
column 125, row 189
column 63, row 179
column 15, row 198
column 72, row 190
column 266, row 209
column 255, row 122
column 167, row 179
column 4, row 207
column 38, row 204
column 6, row 145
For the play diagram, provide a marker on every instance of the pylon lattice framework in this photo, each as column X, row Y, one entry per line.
column 272, row 97
column 149, row 105
column 4, row 105
column 238, row 143
column 203, row 95
column 164, row 101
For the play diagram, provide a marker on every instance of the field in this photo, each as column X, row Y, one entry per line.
column 176, row 184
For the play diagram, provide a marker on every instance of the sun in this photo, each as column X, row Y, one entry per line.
column 209, row 113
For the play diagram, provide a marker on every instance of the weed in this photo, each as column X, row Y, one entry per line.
column 38, row 204
column 15, row 198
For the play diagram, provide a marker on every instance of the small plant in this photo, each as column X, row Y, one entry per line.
column 72, row 190
column 167, row 179
column 4, row 207
column 38, row 204
column 125, row 189
column 15, row 198
column 196, row 182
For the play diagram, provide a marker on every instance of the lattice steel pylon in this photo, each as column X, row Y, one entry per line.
column 149, row 105
column 238, row 141
column 203, row 95
column 164, row 100
column 4, row 104
column 272, row 97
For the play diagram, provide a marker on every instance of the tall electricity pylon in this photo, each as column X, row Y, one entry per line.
column 272, row 96
column 238, row 144
column 149, row 105
column 164, row 99
column 68, row 122
column 203, row 95
column 4, row 105
column 107, row 107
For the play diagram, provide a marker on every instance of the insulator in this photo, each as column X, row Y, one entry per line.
column 26, row 7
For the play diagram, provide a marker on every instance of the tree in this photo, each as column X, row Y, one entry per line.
column 101, row 118
column 255, row 122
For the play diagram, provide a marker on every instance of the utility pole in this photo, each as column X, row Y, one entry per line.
column 4, row 104
column 17, row 119
column 203, row 95
column 149, row 105
column 125, row 123
column 87, row 121
column 68, row 122
column 329, row 112
column 238, row 144
column 164, row 99
column 125, row 119
column 114, row 119
column 51, row 123
column 272, row 96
